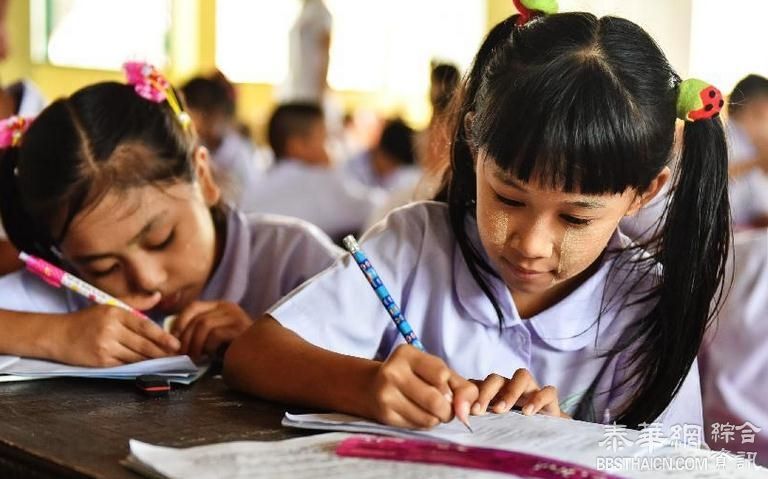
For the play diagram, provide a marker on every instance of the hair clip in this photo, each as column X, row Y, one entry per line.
column 12, row 129
column 698, row 100
column 149, row 83
column 530, row 9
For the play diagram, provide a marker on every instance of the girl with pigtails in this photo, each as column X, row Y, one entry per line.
column 112, row 185
column 517, row 278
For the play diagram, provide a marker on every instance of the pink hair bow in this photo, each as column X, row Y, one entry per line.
column 149, row 83
column 12, row 129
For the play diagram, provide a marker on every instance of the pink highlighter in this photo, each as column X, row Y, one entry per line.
column 57, row 277
column 496, row 460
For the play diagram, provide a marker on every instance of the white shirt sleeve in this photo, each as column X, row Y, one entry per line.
column 339, row 310
column 686, row 408
column 748, row 196
column 22, row 291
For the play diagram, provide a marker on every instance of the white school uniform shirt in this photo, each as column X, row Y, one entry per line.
column 360, row 168
column 748, row 193
column 32, row 100
column 322, row 196
column 419, row 261
column 264, row 258
column 237, row 166
column 734, row 355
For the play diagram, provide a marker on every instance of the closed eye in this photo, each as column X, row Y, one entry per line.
column 105, row 272
column 509, row 201
column 576, row 220
column 165, row 243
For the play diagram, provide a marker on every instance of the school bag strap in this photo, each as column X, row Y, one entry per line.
column 150, row 84
column 530, row 9
column 12, row 129
column 698, row 100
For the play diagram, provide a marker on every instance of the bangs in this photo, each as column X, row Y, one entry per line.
column 567, row 124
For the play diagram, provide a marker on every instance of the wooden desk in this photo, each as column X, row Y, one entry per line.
column 78, row 428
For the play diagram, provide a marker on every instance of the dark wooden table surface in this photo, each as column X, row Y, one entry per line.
column 79, row 428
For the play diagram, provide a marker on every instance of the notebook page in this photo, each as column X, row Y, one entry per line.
column 301, row 458
column 176, row 365
column 583, row 443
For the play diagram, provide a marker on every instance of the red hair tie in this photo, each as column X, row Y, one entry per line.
column 698, row 100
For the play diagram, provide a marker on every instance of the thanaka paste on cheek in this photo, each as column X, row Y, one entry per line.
column 499, row 228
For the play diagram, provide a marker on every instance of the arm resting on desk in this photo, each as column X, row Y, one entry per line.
column 273, row 362
column 410, row 389
column 97, row 336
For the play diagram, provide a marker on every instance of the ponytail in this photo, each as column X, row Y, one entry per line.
column 458, row 187
column 693, row 249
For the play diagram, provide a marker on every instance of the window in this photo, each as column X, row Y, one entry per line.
column 378, row 46
column 100, row 34
column 728, row 44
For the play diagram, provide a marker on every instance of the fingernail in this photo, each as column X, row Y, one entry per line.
column 174, row 343
column 528, row 410
column 476, row 409
column 500, row 406
column 462, row 409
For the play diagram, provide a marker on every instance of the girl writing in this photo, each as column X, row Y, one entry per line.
column 517, row 279
column 111, row 184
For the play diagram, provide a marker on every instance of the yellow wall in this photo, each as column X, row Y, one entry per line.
column 192, row 49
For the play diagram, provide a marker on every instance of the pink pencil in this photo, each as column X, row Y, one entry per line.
column 57, row 277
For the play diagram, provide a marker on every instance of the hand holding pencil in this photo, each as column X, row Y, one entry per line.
column 109, row 333
column 413, row 389
column 417, row 390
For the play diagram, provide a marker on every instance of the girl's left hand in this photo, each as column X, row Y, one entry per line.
column 203, row 326
column 522, row 390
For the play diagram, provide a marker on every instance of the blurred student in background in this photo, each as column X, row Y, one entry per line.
column 747, row 130
column 19, row 98
column 302, row 182
column 391, row 164
column 236, row 163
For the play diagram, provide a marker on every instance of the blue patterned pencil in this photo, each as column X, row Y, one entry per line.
column 350, row 243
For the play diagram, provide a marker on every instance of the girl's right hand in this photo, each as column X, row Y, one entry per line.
column 104, row 336
column 416, row 390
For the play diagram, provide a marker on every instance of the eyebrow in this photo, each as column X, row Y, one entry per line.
column 147, row 227
column 583, row 203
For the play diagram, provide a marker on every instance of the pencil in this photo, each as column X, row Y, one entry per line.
column 57, row 277
column 350, row 243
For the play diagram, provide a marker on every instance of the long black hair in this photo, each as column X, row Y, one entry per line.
column 104, row 137
column 587, row 104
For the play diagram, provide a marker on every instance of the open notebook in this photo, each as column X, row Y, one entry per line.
column 176, row 368
column 615, row 449
column 301, row 458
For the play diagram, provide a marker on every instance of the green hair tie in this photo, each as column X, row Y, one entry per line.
column 532, row 8
column 698, row 100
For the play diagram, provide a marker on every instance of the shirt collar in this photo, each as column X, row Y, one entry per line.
column 569, row 325
column 230, row 278
column 572, row 323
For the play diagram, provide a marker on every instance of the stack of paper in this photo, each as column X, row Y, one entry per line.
column 176, row 368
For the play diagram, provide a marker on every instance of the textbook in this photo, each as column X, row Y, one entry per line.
column 176, row 368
